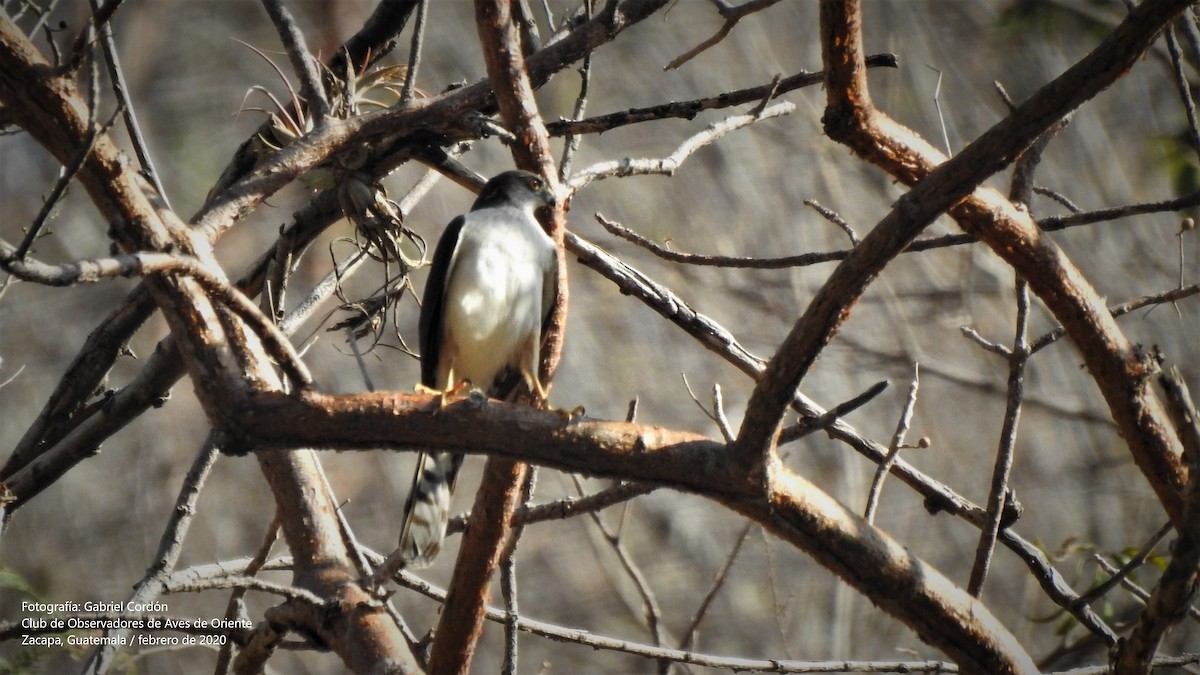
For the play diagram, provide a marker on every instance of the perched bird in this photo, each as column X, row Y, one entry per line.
column 491, row 288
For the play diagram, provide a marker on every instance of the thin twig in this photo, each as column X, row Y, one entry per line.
column 1184, row 87
column 1143, row 554
column 116, row 76
column 508, row 579
column 249, row 583
column 139, row 264
column 689, row 634
column 732, row 16
column 1057, row 333
column 1139, row 593
column 1180, row 661
column 1049, row 224
column 1185, row 226
column 302, row 60
column 894, row 448
column 833, row 217
column 1058, row 197
column 571, row 145
column 689, row 109
column 937, row 103
column 998, row 496
column 812, row 423
column 235, row 605
column 508, row 591
column 665, row 253
column 99, row 19
column 568, row 507
column 60, row 186
column 591, row 640
column 170, row 546
column 717, row 414
column 650, row 608
column 414, row 53
column 352, row 338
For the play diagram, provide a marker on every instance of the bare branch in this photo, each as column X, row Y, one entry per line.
column 689, row 109
column 116, row 75
column 743, row 262
column 1102, row 589
column 170, row 545
column 591, row 640
column 732, row 15
column 1000, row 493
column 894, row 448
column 414, row 53
column 1117, row 366
column 689, row 634
column 302, row 61
column 670, row 164
column 140, row 264
column 789, row 506
column 1177, row 587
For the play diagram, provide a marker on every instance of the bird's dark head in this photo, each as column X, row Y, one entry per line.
column 516, row 188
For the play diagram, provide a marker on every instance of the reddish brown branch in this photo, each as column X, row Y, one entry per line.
column 480, row 554
column 1177, row 587
column 872, row 562
column 222, row 357
column 483, row 545
column 1120, row 369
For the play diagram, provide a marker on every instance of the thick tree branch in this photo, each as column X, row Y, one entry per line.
column 942, row 614
column 244, row 186
column 484, row 544
column 221, row 356
column 1120, row 369
column 1177, row 587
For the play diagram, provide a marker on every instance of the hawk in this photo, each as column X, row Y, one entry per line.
column 491, row 288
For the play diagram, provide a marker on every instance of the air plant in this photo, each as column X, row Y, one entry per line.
column 378, row 220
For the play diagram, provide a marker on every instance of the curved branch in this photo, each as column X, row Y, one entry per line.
column 1120, row 369
column 791, row 507
column 221, row 357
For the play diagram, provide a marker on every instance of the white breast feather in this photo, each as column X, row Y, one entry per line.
column 494, row 297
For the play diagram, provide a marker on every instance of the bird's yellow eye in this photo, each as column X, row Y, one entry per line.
column 535, row 184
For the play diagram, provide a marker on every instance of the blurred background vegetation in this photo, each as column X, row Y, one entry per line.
column 91, row 535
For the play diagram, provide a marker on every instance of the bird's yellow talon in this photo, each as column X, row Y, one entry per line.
column 567, row 414
column 446, row 396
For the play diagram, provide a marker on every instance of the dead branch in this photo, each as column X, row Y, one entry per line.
column 732, row 15
column 220, row 355
column 462, row 618
column 789, row 506
column 1120, row 370
column 668, row 165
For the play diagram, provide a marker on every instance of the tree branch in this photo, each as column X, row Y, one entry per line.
column 221, row 356
column 1120, row 370
column 485, row 542
column 942, row 614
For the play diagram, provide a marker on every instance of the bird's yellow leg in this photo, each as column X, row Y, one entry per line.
column 542, row 401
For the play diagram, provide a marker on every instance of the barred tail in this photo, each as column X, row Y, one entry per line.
column 428, row 507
